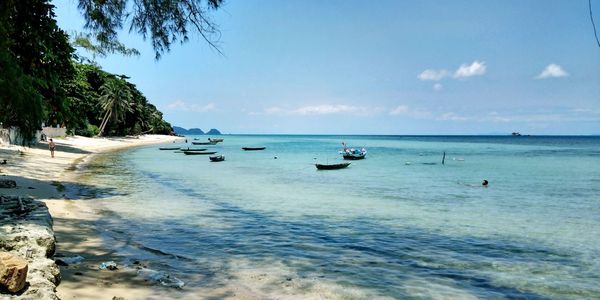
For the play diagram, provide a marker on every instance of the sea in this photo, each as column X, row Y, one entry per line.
column 411, row 221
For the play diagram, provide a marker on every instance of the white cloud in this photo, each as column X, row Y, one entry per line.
column 177, row 105
column 552, row 71
column 403, row 110
column 184, row 106
column 450, row 116
column 531, row 117
column 434, row 75
column 476, row 68
column 399, row 110
column 324, row 109
column 438, row 87
column 329, row 109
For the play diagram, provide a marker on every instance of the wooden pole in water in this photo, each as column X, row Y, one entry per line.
column 444, row 157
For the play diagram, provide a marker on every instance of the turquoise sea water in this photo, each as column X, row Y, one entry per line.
column 398, row 224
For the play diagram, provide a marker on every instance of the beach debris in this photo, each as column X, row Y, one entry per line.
column 13, row 272
column 110, row 265
column 72, row 260
column 8, row 184
column 162, row 277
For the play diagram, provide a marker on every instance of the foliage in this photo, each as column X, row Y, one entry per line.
column 86, row 41
column 115, row 102
column 43, row 52
column 89, row 130
column 35, row 61
column 40, row 81
column 94, row 92
column 164, row 22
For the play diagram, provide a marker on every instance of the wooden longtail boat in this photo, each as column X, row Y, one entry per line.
column 204, row 143
column 332, row 166
column 198, row 153
column 253, row 148
column 216, row 158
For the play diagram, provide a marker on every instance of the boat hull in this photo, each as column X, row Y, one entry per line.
column 332, row 166
column 203, row 143
column 354, row 157
column 253, row 148
column 217, row 158
column 198, row 153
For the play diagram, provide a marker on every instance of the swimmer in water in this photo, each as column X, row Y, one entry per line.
column 485, row 183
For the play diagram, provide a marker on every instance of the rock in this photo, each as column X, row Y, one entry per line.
column 71, row 260
column 8, row 184
column 110, row 265
column 13, row 272
column 61, row 263
column 162, row 277
column 26, row 231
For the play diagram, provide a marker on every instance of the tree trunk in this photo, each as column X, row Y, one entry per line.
column 104, row 122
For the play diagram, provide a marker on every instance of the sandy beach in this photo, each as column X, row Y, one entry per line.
column 42, row 177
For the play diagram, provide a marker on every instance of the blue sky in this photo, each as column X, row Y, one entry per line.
column 386, row 67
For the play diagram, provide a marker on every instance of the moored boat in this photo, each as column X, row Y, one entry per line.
column 353, row 154
column 168, row 148
column 203, row 143
column 198, row 152
column 216, row 158
column 253, row 148
column 332, row 166
column 215, row 140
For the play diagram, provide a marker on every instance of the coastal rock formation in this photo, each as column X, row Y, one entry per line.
column 26, row 231
column 7, row 184
column 13, row 272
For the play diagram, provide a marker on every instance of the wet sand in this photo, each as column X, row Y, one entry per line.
column 42, row 177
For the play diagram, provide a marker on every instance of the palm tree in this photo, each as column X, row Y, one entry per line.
column 115, row 102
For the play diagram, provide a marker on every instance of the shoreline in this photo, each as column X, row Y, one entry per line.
column 40, row 177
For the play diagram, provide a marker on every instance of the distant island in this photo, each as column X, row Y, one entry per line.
column 195, row 131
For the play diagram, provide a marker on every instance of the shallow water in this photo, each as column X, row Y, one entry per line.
column 398, row 224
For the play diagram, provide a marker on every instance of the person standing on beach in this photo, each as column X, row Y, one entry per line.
column 51, row 146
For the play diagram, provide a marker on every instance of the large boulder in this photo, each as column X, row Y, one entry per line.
column 13, row 272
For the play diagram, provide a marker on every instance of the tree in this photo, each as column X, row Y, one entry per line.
column 163, row 21
column 35, row 62
column 115, row 102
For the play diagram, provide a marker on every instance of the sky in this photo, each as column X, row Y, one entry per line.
column 381, row 67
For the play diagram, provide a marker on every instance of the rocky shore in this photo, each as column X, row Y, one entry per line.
column 31, row 190
column 26, row 232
